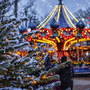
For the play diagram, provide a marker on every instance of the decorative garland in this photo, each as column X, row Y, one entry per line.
column 86, row 33
column 44, row 31
column 80, row 62
column 67, row 33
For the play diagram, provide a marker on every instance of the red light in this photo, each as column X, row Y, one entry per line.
column 89, row 22
column 88, row 17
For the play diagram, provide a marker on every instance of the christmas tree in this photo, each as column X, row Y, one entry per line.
column 18, row 69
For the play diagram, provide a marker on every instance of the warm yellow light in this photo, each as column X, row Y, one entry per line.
column 22, row 72
column 68, row 17
column 47, row 17
column 44, row 77
column 43, row 66
column 34, row 82
column 71, row 14
column 25, row 62
column 6, row 39
column 58, row 13
column 58, row 39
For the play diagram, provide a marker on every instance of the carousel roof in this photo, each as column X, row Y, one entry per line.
column 80, row 24
column 32, row 26
column 59, row 14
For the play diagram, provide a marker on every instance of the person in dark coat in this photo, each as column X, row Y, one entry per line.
column 66, row 75
column 47, row 61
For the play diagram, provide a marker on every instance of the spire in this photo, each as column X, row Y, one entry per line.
column 60, row 2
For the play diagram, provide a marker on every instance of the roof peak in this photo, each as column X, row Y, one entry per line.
column 60, row 1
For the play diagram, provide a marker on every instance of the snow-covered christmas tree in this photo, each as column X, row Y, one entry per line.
column 26, row 71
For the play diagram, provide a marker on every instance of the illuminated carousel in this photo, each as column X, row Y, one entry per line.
column 60, row 34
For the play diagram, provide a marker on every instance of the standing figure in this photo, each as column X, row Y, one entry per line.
column 47, row 61
column 66, row 75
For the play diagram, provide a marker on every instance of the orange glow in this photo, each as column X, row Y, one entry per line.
column 67, row 42
column 34, row 82
column 44, row 77
column 6, row 39
column 22, row 53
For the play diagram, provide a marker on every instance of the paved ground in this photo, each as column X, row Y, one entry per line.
column 81, row 83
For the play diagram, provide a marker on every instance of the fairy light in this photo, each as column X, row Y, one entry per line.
column 47, row 16
column 58, row 13
column 48, row 19
column 71, row 14
column 34, row 82
column 68, row 17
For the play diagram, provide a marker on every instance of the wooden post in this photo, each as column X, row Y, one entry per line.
column 47, row 46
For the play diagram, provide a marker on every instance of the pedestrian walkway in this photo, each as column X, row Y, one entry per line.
column 81, row 83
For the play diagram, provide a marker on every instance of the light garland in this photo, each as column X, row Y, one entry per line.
column 68, row 31
column 47, row 16
column 86, row 33
column 68, row 17
column 48, row 31
column 71, row 14
column 58, row 13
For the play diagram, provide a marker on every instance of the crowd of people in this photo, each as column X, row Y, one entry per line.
column 78, row 58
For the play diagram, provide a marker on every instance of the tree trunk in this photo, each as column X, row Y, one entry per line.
column 15, row 8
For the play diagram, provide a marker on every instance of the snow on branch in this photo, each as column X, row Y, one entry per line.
column 21, row 45
column 4, row 32
column 30, row 33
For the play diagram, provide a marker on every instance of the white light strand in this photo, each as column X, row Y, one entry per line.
column 68, row 17
column 71, row 14
column 58, row 13
column 47, row 16
column 48, row 19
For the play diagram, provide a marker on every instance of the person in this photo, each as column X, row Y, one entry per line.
column 66, row 75
column 47, row 61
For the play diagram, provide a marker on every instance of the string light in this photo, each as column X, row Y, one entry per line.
column 58, row 13
column 47, row 16
column 48, row 19
column 68, row 17
column 71, row 14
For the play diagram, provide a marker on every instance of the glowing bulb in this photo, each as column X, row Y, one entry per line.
column 34, row 82
column 29, row 29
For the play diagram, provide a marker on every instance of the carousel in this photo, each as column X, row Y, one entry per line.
column 65, row 38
